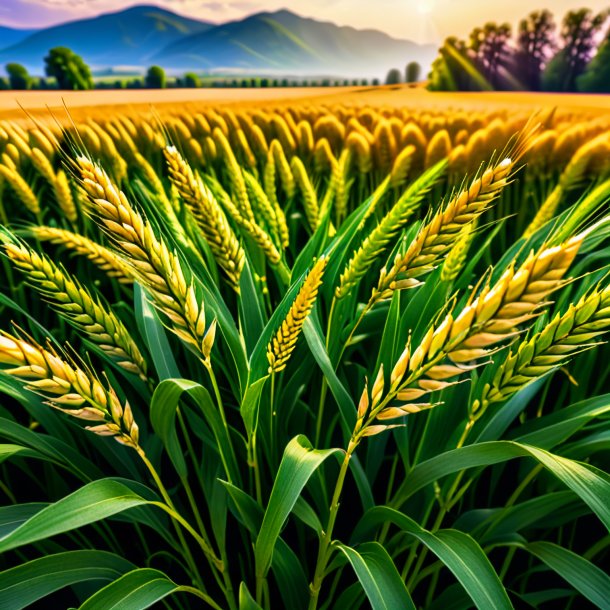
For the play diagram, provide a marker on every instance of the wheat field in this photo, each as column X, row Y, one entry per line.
column 352, row 353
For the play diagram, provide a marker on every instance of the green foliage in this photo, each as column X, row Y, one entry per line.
column 155, row 78
column 191, row 80
column 336, row 423
column 596, row 77
column 393, row 77
column 68, row 68
column 19, row 78
column 490, row 60
column 412, row 72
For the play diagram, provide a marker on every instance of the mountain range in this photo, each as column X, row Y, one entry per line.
column 272, row 42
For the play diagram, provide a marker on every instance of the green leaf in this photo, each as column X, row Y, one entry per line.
column 590, row 484
column 8, row 451
column 458, row 551
column 378, row 576
column 285, row 565
column 154, row 336
column 136, row 590
column 12, row 516
column 171, row 391
column 249, row 404
column 313, row 334
column 589, row 580
column 163, row 407
column 246, row 601
column 93, row 502
column 299, row 462
column 54, row 449
column 24, row 584
column 251, row 308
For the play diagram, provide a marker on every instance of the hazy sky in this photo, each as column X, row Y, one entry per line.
column 419, row 20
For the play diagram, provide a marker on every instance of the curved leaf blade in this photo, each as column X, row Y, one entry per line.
column 378, row 576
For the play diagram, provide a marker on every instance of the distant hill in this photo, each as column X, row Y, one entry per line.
column 285, row 41
column 279, row 42
column 129, row 37
column 11, row 36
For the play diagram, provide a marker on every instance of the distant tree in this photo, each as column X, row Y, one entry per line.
column 364, row 82
column 69, row 69
column 284, row 82
column 191, row 80
column 245, row 83
column 4, row 84
column 578, row 33
column 454, row 69
column 264, row 82
column 18, row 77
column 393, row 77
column 490, row 51
column 155, row 78
column 304, row 84
column 596, row 77
column 535, row 44
column 355, row 82
column 375, row 82
column 325, row 82
column 412, row 72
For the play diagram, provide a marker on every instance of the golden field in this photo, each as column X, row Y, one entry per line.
column 208, row 294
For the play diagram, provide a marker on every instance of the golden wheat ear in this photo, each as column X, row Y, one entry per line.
column 74, row 303
column 284, row 341
column 68, row 387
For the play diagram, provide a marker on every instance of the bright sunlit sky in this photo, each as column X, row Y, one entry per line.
column 418, row 20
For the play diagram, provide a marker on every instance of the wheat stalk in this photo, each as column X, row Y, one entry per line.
column 209, row 216
column 258, row 235
column 544, row 352
column 79, row 307
column 154, row 264
column 21, row 187
column 489, row 318
column 103, row 258
column 391, row 224
column 69, row 388
column 436, row 237
column 308, row 193
column 284, row 341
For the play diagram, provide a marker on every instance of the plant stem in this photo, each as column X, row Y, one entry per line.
column 224, row 423
column 178, row 519
column 325, row 541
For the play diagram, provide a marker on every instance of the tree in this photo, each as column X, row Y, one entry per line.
column 535, row 44
column 18, row 77
column 191, row 81
column 155, row 78
column 69, row 69
column 4, row 84
column 393, row 77
column 412, row 72
column 596, row 77
column 491, row 53
column 578, row 33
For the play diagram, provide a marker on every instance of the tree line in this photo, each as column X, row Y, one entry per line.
column 539, row 57
column 68, row 71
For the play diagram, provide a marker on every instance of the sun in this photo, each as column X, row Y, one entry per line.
column 425, row 7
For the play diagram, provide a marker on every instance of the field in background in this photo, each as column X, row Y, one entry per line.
column 97, row 104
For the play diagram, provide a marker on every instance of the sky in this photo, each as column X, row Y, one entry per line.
column 418, row 20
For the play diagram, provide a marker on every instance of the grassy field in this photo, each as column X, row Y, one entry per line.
column 305, row 349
